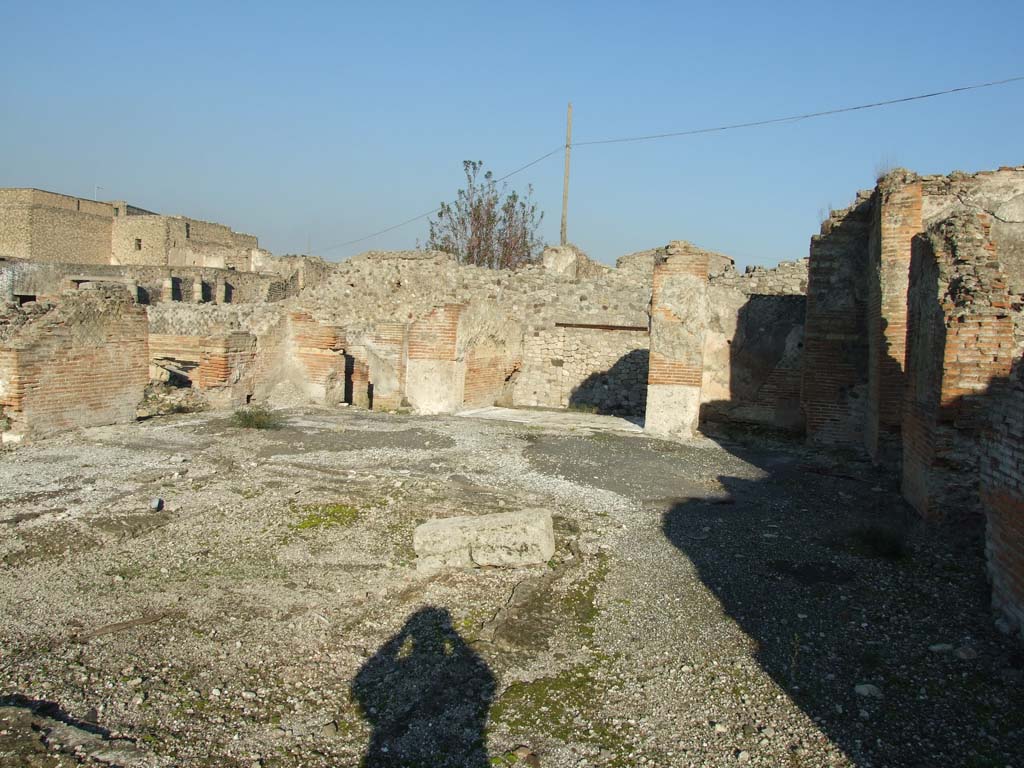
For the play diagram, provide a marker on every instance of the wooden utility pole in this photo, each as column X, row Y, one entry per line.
column 565, row 181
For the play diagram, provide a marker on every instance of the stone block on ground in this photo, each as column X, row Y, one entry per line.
column 507, row 539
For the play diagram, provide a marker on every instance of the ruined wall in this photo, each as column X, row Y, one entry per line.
column 82, row 362
column 861, row 398
column 47, row 227
column 787, row 278
column 153, row 284
column 960, row 341
column 834, row 385
column 678, row 320
column 369, row 294
column 318, row 351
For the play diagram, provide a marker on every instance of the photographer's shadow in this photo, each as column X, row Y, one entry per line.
column 427, row 695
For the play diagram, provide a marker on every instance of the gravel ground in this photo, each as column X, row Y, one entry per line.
column 737, row 601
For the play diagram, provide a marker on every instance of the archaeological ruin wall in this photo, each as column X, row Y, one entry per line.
column 960, row 342
column 859, row 275
column 26, row 280
column 81, row 362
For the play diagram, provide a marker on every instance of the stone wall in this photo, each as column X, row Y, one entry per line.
column 52, row 228
column 48, row 227
column 787, row 278
column 603, row 368
column 81, row 362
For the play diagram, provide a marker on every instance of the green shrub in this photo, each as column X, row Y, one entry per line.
column 257, row 417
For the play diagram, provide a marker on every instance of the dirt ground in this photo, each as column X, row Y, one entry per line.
column 741, row 600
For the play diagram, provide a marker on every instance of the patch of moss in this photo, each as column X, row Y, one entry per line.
column 580, row 602
column 550, row 704
column 554, row 705
column 326, row 516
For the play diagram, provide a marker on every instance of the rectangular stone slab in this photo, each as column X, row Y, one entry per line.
column 505, row 539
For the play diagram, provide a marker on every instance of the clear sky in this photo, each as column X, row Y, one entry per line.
column 323, row 122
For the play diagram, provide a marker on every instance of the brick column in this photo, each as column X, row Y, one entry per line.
column 678, row 317
column 197, row 290
column 897, row 221
column 434, row 375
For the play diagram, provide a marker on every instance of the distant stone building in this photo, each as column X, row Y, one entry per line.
column 49, row 227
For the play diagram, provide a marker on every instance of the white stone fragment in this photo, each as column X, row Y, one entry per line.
column 508, row 539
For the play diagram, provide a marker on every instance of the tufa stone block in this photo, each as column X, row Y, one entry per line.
column 506, row 539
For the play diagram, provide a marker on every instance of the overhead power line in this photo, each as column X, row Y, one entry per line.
column 697, row 131
column 796, row 118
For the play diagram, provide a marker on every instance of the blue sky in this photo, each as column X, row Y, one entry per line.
column 323, row 122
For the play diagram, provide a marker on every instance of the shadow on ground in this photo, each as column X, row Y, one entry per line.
column 829, row 572
column 426, row 694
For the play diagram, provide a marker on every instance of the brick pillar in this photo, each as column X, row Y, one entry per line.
column 435, row 377
column 220, row 291
column 197, row 290
column 897, row 221
column 167, row 289
column 678, row 317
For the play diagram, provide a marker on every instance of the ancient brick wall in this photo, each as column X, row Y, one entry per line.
column 435, row 377
column 82, row 363
column 486, row 369
column 960, row 340
column 319, row 351
column 434, row 336
column 834, row 385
